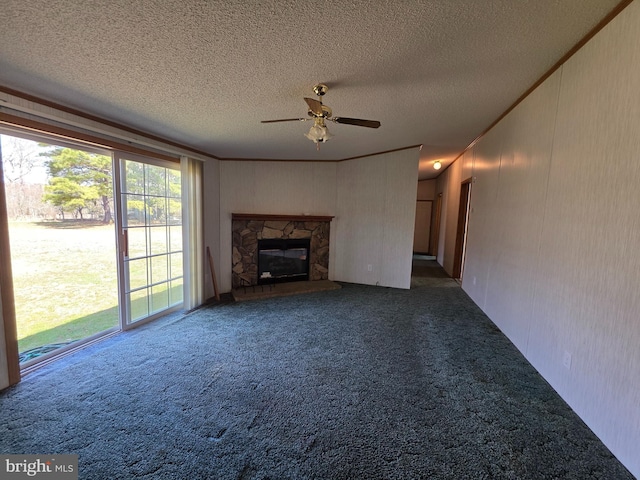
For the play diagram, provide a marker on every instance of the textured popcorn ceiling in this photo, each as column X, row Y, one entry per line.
column 204, row 73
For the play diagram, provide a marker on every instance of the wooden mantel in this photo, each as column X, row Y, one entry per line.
column 295, row 218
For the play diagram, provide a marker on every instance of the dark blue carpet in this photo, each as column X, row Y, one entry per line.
column 357, row 383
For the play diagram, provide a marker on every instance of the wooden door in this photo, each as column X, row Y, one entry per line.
column 422, row 230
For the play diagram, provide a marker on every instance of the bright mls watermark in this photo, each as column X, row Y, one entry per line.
column 52, row 467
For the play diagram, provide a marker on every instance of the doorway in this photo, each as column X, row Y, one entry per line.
column 461, row 230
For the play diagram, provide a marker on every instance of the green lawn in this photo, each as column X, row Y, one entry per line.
column 65, row 281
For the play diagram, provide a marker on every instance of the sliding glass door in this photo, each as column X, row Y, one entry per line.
column 96, row 241
column 63, row 246
column 151, row 238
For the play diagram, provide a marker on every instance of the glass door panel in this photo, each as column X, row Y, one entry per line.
column 152, row 229
column 60, row 206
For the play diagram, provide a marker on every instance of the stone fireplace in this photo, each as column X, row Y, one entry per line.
column 248, row 229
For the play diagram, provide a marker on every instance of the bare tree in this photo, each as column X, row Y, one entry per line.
column 20, row 158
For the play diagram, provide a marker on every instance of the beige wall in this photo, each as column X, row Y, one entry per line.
column 376, row 201
column 426, row 189
column 372, row 199
column 211, row 222
column 554, row 231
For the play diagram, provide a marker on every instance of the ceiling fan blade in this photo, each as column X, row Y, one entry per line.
column 357, row 121
column 285, row 120
column 314, row 105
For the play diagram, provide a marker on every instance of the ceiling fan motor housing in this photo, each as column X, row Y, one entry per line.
column 326, row 112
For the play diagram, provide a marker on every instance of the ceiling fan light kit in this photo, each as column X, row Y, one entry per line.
column 319, row 133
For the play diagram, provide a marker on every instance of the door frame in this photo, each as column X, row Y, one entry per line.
column 435, row 231
column 7, row 306
column 461, row 229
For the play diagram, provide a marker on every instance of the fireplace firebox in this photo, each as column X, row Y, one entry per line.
column 283, row 260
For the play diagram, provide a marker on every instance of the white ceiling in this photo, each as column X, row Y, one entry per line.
column 205, row 73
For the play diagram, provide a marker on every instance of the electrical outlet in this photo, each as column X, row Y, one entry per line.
column 566, row 360
column 370, row 268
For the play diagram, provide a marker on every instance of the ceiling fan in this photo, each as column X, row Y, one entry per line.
column 319, row 113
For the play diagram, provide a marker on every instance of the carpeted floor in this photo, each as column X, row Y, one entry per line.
column 357, row 383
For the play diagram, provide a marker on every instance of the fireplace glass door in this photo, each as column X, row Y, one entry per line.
column 283, row 260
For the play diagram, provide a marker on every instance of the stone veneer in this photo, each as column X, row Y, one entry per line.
column 247, row 229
